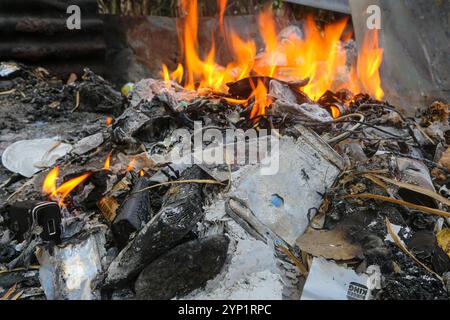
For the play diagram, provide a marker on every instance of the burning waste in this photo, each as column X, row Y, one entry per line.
column 318, row 57
column 268, row 177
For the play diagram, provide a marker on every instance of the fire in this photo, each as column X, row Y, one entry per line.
column 109, row 121
column 131, row 165
column 205, row 72
column 107, row 161
column 63, row 190
column 261, row 100
column 141, row 173
column 176, row 75
column 222, row 6
column 335, row 112
column 269, row 35
column 244, row 53
column 318, row 55
column 60, row 193
column 369, row 61
column 49, row 186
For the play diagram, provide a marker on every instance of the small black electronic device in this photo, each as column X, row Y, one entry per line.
column 46, row 214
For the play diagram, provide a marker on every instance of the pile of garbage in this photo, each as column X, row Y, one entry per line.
column 100, row 201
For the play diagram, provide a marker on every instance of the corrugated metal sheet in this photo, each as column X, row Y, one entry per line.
column 35, row 32
column 332, row 5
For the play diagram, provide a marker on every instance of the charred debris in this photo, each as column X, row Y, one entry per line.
column 360, row 189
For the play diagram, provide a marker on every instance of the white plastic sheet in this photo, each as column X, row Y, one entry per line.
column 282, row 201
column 68, row 271
column 329, row 281
column 28, row 157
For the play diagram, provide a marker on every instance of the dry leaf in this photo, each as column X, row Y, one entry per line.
column 330, row 244
column 141, row 161
column 437, row 112
column 443, row 239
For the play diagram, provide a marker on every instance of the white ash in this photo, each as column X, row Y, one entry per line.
column 251, row 271
column 262, row 285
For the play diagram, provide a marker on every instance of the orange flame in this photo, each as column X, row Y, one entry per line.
column 317, row 55
column 335, row 112
column 269, row 35
column 222, row 4
column 49, row 186
column 369, row 62
column 261, row 100
column 59, row 194
column 176, row 75
column 63, row 190
column 107, row 161
column 131, row 165
column 244, row 53
column 109, row 121
column 166, row 73
column 237, row 101
column 141, row 173
column 205, row 72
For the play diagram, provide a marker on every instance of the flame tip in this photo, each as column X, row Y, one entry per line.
column 60, row 193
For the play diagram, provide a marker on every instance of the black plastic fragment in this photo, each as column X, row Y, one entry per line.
column 134, row 213
column 183, row 269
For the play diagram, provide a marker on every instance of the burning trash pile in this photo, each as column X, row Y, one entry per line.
column 282, row 175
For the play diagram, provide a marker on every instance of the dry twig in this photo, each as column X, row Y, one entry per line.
column 9, row 292
column 204, row 181
column 433, row 211
column 3, row 93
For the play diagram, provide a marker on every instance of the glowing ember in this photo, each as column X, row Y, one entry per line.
column 142, row 173
column 319, row 56
column 237, row 101
column 107, row 161
column 109, row 121
column 335, row 112
column 131, row 165
column 59, row 194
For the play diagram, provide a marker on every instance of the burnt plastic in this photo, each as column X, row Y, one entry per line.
column 45, row 214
